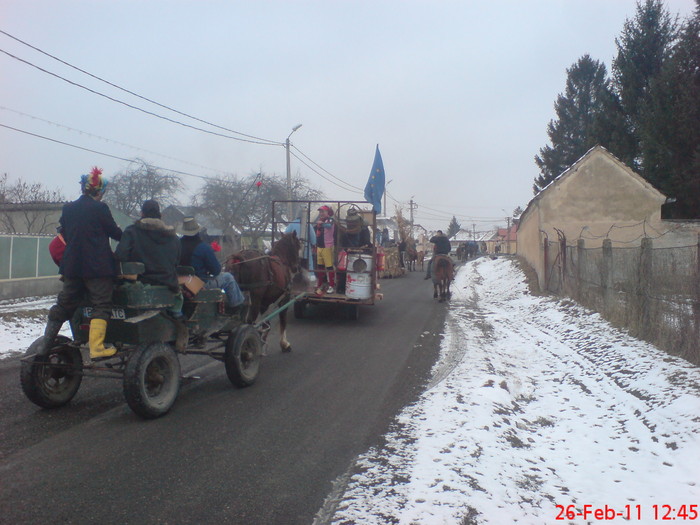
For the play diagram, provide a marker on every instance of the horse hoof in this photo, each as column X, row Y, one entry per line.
column 287, row 349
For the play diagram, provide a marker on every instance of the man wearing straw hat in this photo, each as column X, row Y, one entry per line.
column 200, row 255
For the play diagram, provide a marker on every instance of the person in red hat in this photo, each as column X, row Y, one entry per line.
column 325, row 243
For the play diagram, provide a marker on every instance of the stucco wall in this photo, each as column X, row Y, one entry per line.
column 599, row 198
column 529, row 242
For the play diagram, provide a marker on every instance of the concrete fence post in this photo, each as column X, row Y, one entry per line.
column 545, row 283
column 606, row 278
column 643, row 288
column 581, row 260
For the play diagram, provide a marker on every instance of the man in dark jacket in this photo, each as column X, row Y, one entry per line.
column 442, row 247
column 152, row 242
column 88, row 266
column 200, row 255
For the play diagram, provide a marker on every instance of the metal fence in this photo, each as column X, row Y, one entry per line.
column 652, row 292
column 25, row 257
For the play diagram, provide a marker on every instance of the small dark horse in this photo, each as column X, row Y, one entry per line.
column 411, row 258
column 268, row 278
column 443, row 272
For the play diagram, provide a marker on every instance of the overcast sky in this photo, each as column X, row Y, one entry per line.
column 457, row 94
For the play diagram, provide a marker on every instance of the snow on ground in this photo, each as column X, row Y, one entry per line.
column 22, row 321
column 535, row 402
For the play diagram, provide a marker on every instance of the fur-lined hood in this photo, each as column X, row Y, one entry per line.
column 154, row 225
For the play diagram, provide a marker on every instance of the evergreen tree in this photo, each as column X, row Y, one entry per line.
column 643, row 47
column 586, row 114
column 453, row 227
column 670, row 140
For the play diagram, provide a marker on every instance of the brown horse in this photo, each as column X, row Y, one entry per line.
column 411, row 258
column 443, row 272
column 268, row 278
column 420, row 259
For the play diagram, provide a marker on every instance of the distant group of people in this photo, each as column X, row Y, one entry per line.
column 88, row 266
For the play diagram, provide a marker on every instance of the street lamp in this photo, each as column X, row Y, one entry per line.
column 289, row 174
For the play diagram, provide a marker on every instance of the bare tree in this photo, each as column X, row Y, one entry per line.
column 244, row 205
column 139, row 182
column 25, row 206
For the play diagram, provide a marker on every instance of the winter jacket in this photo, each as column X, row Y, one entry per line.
column 155, row 244
column 325, row 233
column 87, row 226
column 354, row 240
column 442, row 244
column 203, row 260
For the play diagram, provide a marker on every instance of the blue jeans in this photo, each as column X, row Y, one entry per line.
column 226, row 282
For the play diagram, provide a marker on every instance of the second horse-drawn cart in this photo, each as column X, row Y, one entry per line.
column 356, row 261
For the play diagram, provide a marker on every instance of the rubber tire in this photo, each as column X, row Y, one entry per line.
column 299, row 307
column 35, row 376
column 243, row 355
column 145, row 397
column 353, row 311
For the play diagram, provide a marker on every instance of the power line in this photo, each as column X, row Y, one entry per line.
column 326, row 171
column 257, row 140
column 271, row 142
column 110, row 140
column 349, row 188
column 100, row 152
column 462, row 216
column 268, row 143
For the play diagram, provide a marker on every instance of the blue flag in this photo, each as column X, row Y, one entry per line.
column 374, row 190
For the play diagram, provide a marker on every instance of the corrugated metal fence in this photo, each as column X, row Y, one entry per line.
column 25, row 257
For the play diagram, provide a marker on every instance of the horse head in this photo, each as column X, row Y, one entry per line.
column 287, row 248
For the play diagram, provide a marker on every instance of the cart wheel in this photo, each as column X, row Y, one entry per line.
column 52, row 380
column 299, row 307
column 243, row 354
column 152, row 380
column 353, row 311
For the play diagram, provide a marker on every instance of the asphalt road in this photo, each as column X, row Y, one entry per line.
column 264, row 454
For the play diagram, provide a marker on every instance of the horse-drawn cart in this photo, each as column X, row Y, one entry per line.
column 149, row 342
column 356, row 261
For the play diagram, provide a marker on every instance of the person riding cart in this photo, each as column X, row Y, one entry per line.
column 325, row 244
column 155, row 244
column 200, row 255
column 88, row 266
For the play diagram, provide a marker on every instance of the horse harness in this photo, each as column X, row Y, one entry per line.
column 275, row 260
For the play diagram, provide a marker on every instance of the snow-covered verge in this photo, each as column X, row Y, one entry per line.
column 22, row 321
column 535, row 404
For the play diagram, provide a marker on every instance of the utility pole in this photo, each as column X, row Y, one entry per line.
column 412, row 207
column 508, row 236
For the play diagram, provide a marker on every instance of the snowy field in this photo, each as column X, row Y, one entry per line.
column 22, row 321
column 536, row 407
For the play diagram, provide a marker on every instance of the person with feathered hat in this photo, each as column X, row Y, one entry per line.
column 88, row 266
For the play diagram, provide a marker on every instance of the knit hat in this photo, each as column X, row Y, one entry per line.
column 93, row 183
column 328, row 210
column 190, row 227
column 150, row 209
